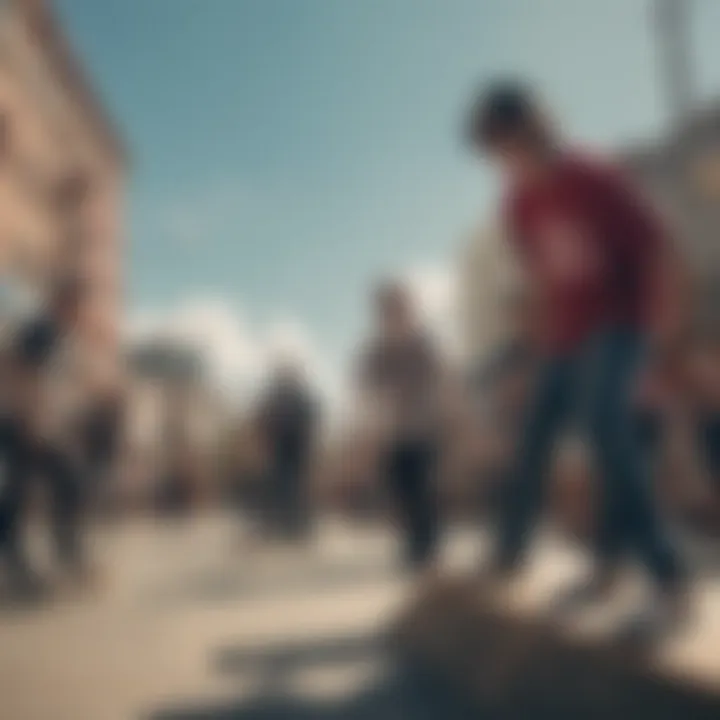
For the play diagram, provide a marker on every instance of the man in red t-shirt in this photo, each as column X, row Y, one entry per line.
column 597, row 262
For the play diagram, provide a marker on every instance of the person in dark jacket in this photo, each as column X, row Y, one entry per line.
column 288, row 420
column 36, row 437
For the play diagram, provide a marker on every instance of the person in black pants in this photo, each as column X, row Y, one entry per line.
column 411, row 468
column 36, row 435
column 288, row 419
column 400, row 374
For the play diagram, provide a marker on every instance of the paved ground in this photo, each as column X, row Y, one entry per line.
column 191, row 618
column 191, row 623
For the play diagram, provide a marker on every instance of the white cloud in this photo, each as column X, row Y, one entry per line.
column 238, row 353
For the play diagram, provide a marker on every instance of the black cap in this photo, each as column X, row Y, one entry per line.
column 503, row 109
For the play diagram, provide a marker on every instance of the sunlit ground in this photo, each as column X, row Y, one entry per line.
column 201, row 620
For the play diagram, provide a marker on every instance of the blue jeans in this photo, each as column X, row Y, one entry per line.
column 595, row 384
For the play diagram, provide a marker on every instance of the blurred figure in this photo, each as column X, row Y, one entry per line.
column 288, row 420
column 598, row 266
column 101, row 433
column 400, row 379
column 39, row 433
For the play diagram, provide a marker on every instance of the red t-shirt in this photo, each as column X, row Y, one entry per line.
column 589, row 244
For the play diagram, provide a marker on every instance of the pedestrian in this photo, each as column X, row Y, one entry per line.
column 400, row 378
column 39, row 437
column 605, row 293
column 288, row 421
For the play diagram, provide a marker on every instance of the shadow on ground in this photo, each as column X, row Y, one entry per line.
column 453, row 658
column 283, row 658
column 395, row 693
column 399, row 696
column 520, row 667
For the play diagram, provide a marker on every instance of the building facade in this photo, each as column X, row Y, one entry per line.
column 681, row 174
column 62, row 170
column 177, row 419
column 489, row 279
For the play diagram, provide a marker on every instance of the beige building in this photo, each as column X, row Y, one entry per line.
column 489, row 279
column 681, row 173
column 62, row 168
column 176, row 420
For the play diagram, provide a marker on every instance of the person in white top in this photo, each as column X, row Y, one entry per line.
column 400, row 377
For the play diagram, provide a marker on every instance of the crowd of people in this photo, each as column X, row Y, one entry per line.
column 58, row 430
column 606, row 351
column 601, row 349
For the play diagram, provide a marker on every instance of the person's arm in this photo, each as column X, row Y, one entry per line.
column 643, row 243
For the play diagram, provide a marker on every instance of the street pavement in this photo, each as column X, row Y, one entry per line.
column 199, row 620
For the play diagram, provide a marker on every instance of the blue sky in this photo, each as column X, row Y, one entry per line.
column 287, row 151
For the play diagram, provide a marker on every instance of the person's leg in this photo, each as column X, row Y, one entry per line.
column 629, row 521
column 65, row 478
column 99, row 480
column 288, row 479
column 602, row 409
column 18, row 459
column 523, row 495
column 271, row 495
column 399, row 478
column 650, row 429
column 304, row 495
column 423, row 510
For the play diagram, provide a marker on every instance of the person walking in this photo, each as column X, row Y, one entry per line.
column 605, row 293
column 288, row 420
column 400, row 378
